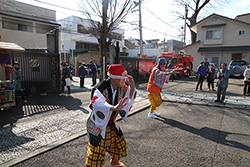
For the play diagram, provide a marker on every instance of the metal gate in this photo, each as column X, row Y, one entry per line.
column 40, row 71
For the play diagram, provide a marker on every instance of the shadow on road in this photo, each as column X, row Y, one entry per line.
column 40, row 104
column 207, row 133
column 9, row 140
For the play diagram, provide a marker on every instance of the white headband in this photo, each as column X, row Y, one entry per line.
column 117, row 76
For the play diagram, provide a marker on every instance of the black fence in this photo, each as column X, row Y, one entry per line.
column 40, row 71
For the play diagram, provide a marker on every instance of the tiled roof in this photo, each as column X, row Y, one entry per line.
column 18, row 9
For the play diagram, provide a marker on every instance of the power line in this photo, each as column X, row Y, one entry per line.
column 58, row 6
column 161, row 19
column 156, row 25
column 161, row 32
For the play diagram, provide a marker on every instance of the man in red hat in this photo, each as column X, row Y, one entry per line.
column 109, row 98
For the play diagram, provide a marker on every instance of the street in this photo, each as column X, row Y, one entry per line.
column 188, row 84
column 184, row 135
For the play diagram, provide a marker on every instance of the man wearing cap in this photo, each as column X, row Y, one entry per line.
column 155, row 84
column 109, row 98
column 82, row 74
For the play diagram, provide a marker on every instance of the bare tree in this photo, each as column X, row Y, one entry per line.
column 110, row 14
column 196, row 6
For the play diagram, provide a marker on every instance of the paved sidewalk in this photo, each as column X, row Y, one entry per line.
column 32, row 135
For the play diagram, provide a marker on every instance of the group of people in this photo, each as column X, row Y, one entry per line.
column 67, row 72
column 115, row 95
column 207, row 71
column 110, row 97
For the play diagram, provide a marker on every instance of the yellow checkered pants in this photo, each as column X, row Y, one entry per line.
column 155, row 100
column 113, row 143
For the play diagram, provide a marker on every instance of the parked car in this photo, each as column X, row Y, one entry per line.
column 237, row 68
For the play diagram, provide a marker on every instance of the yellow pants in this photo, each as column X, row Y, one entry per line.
column 155, row 101
column 113, row 143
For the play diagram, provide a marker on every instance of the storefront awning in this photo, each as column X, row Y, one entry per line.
column 10, row 46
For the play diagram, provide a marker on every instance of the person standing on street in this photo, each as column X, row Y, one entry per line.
column 246, row 90
column 109, row 98
column 206, row 64
column 82, row 74
column 170, row 66
column 155, row 84
column 65, row 74
column 222, row 83
column 201, row 72
column 93, row 67
column 17, row 83
column 210, row 77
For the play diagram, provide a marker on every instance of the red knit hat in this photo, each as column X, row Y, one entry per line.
column 116, row 69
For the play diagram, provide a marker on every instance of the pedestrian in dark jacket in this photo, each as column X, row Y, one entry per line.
column 93, row 67
column 201, row 72
column 82, row 74
column 65, row 74
column 210, row 77
column 17, row 82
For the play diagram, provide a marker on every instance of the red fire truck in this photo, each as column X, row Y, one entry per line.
column 184, row 63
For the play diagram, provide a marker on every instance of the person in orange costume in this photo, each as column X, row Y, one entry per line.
column 155, row 84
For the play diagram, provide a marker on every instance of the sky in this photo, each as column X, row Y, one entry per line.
column 159, row 18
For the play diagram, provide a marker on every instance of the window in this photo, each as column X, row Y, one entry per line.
column 81, row 45
column 242, row 32
column 180, row 59
column 213, row 33
column 174, row 60
column 13, row 24
column 22, row 27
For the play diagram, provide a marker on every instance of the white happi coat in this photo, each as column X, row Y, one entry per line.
column 101, row 114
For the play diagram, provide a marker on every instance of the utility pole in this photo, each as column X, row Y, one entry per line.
column 140, row 29
column 164, row 43
column 104, row 38
column 186, row 12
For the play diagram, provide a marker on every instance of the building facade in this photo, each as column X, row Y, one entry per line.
column 77, row 42
column 221, row 39
column 29, row 26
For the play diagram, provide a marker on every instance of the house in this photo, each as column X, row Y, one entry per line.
column 221, row 39
column 35, row 29
column 29, row 26
column 78, row 44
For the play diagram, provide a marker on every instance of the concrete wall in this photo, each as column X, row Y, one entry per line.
column 95, row 56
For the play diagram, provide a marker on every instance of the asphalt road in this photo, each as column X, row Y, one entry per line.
column 184, row 135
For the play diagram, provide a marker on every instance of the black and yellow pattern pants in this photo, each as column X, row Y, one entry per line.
column 113, row 143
